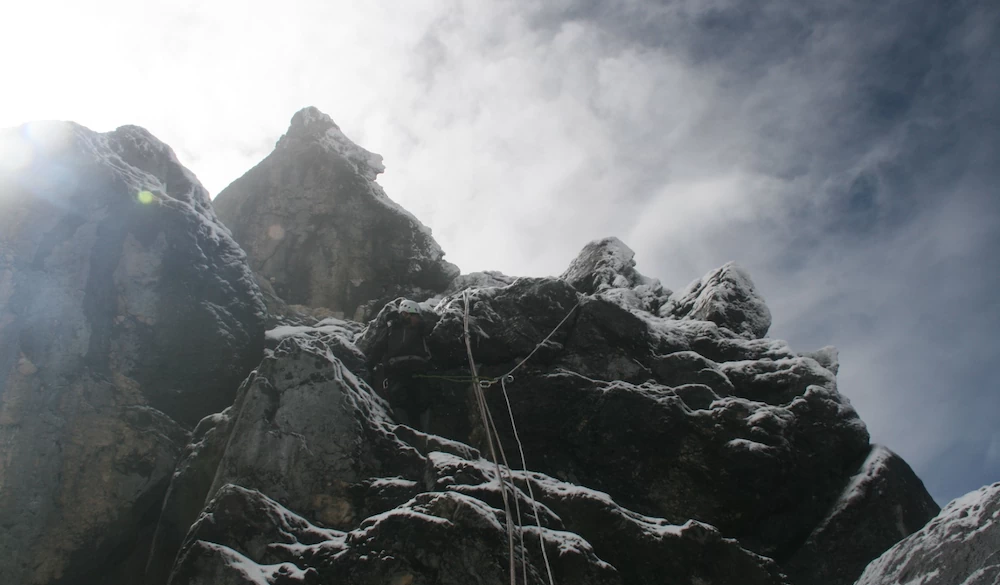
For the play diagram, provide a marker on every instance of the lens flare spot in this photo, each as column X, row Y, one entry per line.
column 276, row 232
column 145, row 197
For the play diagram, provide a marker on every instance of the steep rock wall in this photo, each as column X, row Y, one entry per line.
column 127, row 313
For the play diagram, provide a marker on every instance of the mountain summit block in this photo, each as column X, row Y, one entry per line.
column 317, row 226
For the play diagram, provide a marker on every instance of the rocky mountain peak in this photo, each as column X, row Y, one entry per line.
column 607, row 267
column 726, row 296
column 654, row 430
column 319, row 229
column 311, row 126
column 310, row 121
column 142, row 151
column 603, row 264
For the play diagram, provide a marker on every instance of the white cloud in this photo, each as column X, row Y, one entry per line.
column 518, row 134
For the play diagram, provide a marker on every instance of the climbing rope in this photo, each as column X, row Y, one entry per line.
column 527, row 481
column 513, row 489
column 484, row 414
column 540, row 344
column 492, row 434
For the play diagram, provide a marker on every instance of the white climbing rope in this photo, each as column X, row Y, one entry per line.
column 484, row 414
column 513, row 488
column 544, row 341
column 527, row 481
column 492, row 434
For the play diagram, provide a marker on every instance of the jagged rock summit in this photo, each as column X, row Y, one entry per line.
column 322, row 232
column 726, row 296
column 665, row 438
column 127, row 313
column 659, row 448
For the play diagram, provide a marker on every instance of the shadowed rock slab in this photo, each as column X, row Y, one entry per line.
column 882, row 503
column 189, row 487
column 455, row 532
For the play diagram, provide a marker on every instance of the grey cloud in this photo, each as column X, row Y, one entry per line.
column 843, row 152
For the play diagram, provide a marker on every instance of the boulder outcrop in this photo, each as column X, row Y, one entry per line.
column 960, row 545
column 322, row 232
column 127, row 313
column 726, row 297
column 881, row 503
column 644, row 436
column 396, row 504
column 652, row 442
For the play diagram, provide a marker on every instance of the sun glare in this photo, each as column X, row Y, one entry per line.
column 48, row 137
column 145, row 197
column 20, row 146
column 16, row 153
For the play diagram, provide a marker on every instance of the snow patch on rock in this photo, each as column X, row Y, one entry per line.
column 258, row 574
column 726, row 296
column 960, row 545
column 606, row 267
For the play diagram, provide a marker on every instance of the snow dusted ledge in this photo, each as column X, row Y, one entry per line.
column 960, row 546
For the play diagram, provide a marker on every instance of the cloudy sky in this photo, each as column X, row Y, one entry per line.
column 844, row 152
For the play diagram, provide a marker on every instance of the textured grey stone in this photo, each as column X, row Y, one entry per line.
column 607, row 266
column 451, row 529
column 961, row 545
column 685, row 444
column 439, row 537
column 881, row 503
column 188, row 490
column 318, row 227
column 708, row 445
column 727, row 297
column 307, row 430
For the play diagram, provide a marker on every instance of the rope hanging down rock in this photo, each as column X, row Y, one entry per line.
column 478, row 385
column 484, row 414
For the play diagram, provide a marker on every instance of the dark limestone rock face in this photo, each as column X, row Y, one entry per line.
column 185, row 497
column 881, row 503
column 960, row 545
column 665, row 439
column 357, row 499
column 127, row 312
column 661, row 449
column 318, row 227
